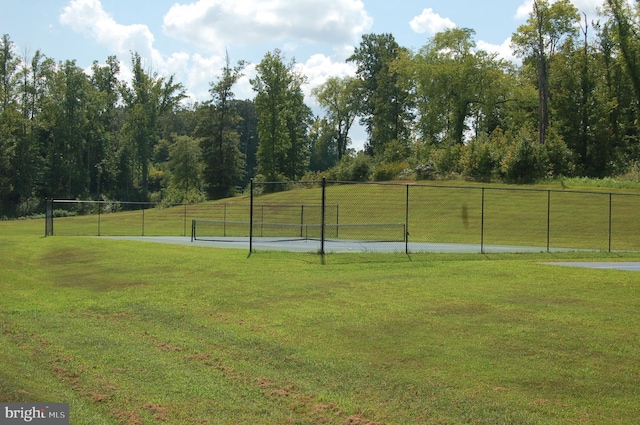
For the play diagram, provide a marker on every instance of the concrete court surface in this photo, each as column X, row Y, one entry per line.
column 383, row 247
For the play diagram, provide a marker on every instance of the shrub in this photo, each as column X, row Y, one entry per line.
column 389, row 171
column 560, row 159
column 446, row 160
column 525, row 160
column 352, row 168
column 478, row 160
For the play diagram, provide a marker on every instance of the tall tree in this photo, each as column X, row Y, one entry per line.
column 103, row 146
column 457, row 88
column 9, row 118
column 220, row 141
column 386, row 106
column 185, row 164
column 282, row 119
column 247, row 128
column 148, row 98
column 67, row 114
column 339, row 98
column 626, row 26
column 538, row 39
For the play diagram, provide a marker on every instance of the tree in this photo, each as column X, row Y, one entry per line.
column 457, row 88
column 538, row 40
column 626, row 28
column 247, row 129
column 185, row 165
column 224, row 162
column 148, row 98
column 104, row 149
column 339, row 98
column 282, row 119
column 67, row 115
column 9, row 119
column 324, row 150
column 386, row 106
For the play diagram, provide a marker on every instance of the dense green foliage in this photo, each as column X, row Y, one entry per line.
column 570, row 108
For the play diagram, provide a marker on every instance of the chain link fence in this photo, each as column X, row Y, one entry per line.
column 333, row 216
column 414, row 218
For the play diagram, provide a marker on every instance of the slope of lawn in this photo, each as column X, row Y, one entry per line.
column 137, row 333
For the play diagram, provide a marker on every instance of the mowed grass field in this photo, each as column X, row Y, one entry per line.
column 139, row 333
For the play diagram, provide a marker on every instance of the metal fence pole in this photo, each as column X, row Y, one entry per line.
column 610, row 219
column 251, row 217
column 48, row 217
column 301, row 220
column 406, row 224
column 99, row 216
column 482, row 225
column 322, row 218
column 337, row 220
column 185, row 219
column 548, row 221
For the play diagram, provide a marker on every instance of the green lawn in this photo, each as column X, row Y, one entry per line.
column 138, row 333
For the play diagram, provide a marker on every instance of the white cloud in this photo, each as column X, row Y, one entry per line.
column 524, row 10
column 196, row 70
column 430, row 22
column 318, row 68
column 590, row 7
column 89, row 18
column 503, row 50
column 215, row 24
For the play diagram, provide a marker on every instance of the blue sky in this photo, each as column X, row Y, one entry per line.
column 189, row 38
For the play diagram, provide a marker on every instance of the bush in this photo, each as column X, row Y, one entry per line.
column 478, row 160
column 352, row 168
column 525, row 161
column 389, row 171
column 560, row 159
column 179, row 196
column 446, row 160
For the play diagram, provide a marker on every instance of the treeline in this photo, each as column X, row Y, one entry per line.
column 448, row 109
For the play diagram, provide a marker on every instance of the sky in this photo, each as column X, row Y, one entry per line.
column 190, row 38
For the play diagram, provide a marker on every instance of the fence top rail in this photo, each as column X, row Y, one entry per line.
column 77, row 201
column 267, row 223
column 302, row 204
column 522, row 189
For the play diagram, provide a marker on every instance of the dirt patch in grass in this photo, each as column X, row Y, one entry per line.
column 82, row 268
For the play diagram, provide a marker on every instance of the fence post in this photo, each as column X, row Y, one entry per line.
column 185, row 220
column 548, row 221
column 251, row 217
column 301, row 220
column 610, row 219
column 337, row 221
column 322, row 217
column 406, row 224
column 99, row 215
column 48, row 217
column 482, row 225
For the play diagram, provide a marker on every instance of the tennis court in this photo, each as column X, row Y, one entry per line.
column 364, row 247
column 338, row 246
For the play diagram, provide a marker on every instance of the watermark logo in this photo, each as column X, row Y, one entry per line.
column 34, row 413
